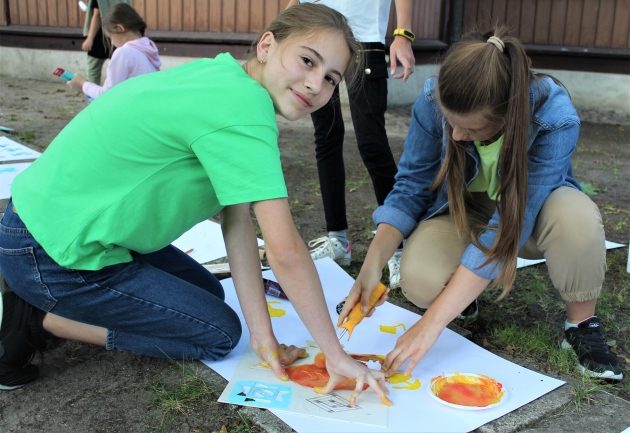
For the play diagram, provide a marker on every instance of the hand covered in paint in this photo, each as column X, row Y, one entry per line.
column 77, row 82
column 277, row 356
column 348, row 367
column 411, row 346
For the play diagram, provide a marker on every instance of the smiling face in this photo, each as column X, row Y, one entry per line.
column 301, row 72
column 473, row 126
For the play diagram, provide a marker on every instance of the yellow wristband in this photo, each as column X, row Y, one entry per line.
column 407, row 34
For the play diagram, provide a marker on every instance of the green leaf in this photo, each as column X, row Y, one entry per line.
column 589, row 188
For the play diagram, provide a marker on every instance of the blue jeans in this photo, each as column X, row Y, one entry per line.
column 162, row 304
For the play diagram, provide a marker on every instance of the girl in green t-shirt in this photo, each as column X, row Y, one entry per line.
column 84, row 244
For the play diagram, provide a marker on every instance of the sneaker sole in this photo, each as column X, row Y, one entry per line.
column 10, row 387
column 610, row 375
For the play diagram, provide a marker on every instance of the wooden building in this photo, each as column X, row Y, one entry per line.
column 587, row 35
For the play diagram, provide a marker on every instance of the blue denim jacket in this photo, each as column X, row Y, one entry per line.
column 554, row 131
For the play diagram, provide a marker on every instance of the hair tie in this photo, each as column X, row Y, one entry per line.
column 496, row 42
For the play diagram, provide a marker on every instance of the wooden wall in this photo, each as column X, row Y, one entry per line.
column 217, row 16
column 576, row 23
column 55, row 13
column 428, row 19
column 580, row 26
column 221, row 16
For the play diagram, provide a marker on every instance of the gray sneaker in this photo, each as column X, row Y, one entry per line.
column 393, row 265
column 330, row 246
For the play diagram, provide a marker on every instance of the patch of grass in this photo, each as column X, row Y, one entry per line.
column 178, row 399
column 533, row 289
column 243, row 427
column 26, row 136
column 613, row 306
column 621, row 225
column 355, row 183
column 585, row 390
column 295, row 203
column 538, row 343
column 589, row 189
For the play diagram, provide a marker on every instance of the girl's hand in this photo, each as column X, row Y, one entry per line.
column 348, row 367
column 412, row 346
column 87, row 44
column 277, row 356
column 77, row 82
column 463, row 288
column 401, row 52
column 360, row 292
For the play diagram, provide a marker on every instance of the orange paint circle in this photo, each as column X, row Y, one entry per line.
column 467, row 391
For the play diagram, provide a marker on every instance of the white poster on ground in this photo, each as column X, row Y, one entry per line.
column 521, row 263
column 11, row 150
column 204, row 242
column 414, row 409
column 8, row 172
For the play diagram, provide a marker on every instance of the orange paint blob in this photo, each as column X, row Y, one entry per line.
column 471, row 390
column 316, row 375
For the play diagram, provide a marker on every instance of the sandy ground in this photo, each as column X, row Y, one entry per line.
column 85, row 388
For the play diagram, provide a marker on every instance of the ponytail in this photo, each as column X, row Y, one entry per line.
column 490, row 73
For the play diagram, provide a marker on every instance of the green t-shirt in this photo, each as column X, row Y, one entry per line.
column 488, row 179
column 148, row 160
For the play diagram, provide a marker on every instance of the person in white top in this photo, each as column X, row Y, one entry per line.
column 135, row 54
column 368, row 102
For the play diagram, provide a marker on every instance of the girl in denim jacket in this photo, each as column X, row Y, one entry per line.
column 485, row 177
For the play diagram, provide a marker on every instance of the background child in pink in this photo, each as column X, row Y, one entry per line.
column 135, row 54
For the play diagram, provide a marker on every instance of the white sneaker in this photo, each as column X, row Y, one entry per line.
column 330, row 247
column 393, row 264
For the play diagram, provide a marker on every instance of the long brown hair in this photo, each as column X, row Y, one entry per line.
column 306, row 18
column 490, row 76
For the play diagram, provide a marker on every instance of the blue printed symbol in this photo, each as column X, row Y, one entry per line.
column 258, row 394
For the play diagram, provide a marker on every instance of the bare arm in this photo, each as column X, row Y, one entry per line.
column 294, row 268
column 291, row 3
column 95, row 24
column 400, row 50
column 242, row 249
column 463, row 288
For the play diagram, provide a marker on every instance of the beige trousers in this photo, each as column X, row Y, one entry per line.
column 568, row 233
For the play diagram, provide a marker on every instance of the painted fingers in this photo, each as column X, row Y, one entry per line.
column 411, row 347
column 373, row 378
column 271, row 357
column 280, row 357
